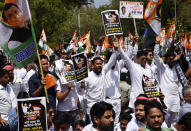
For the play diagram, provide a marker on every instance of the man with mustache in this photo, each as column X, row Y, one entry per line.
column 140, row 121
column 102, row 116
column 154, row 117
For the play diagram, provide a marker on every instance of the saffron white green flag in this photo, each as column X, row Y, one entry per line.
column 43, row 44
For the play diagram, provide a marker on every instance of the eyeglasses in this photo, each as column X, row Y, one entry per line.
column 151, row 55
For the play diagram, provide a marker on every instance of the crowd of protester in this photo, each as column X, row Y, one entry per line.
column 112, row 97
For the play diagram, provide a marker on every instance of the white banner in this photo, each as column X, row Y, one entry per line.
column 131, row 9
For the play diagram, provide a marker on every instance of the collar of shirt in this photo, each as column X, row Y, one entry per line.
column 1, row 87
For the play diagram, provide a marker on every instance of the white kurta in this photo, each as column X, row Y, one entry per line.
column 8, row 101
column 136, row 73
column 169, row 83
column 95, row 90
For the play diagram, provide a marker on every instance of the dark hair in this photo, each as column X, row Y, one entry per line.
column 147, row 52
column 144, row 95
column 80, row 122
column 185, row 120
column 52, row 58
column 98, row 110
column 140, row 102
column 96, row 58
column 123, row 7
column 153, row 104
column 43, row 57
column 3, row 72
column 6, row 7
column 60, row 119
column 158, row 9
column 140, row 53
column 125, row 116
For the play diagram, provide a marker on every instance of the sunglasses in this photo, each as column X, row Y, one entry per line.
column 144, row 59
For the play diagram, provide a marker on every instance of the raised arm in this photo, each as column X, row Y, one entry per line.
column 127, row 60
column 158, row 61
column 113, row 57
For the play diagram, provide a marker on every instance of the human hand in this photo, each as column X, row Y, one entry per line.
column 70, row 85
column 43, row 81
column 136, row 38
column 116, row 43
column 161, row 97
column 83, row 84
column 158, row 39
column 3, row 122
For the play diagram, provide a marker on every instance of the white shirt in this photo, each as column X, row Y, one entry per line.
column 117, row 127
column 151, row 71
column 89, row 127
column 70, row 102
column 136, row 73
column 95, row 90
column 113, row 81
column 169, row 83
column 134, row 125
column 27, row 77
column 8, row 101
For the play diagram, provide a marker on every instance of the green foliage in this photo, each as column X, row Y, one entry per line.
column 59, row 18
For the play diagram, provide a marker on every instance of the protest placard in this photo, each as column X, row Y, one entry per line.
column 32, row 114
column 129, row 9
column 111, row 22
column 80, row 66
column 65, row 70
column 150, row 87
column 16, row 37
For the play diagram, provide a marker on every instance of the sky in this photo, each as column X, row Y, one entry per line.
column 101, row 2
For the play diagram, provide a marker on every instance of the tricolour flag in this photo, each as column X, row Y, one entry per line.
column 122, row 42
column 43, row 44
column 190, row 41
column 171, row 30
column 152, row 15
column 186, row 42
column 85, row 40
column 130, row 36
column 17, row 37
column 73, row 43
column 105, row 45
column 163, row 36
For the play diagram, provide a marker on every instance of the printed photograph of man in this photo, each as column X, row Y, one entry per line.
column 123, row 10
column 13, row 16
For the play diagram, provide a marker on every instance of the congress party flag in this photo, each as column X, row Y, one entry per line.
column 105, row 45
column 73, row 43
column 171, row 30
column 153, row 15
column 122, row 42
column 163, row 36
column 43, row 44
column 17, row 37
column 186, row 42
